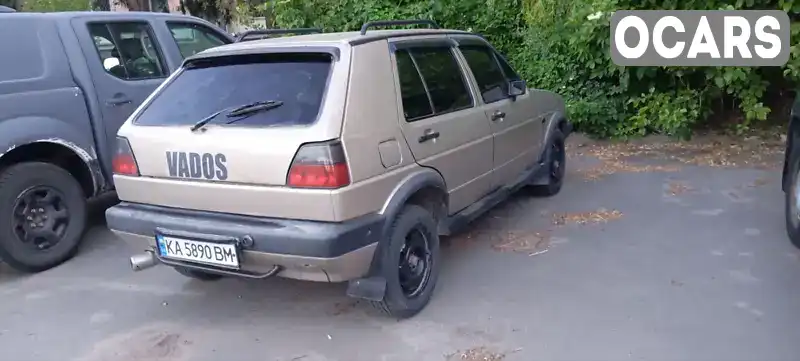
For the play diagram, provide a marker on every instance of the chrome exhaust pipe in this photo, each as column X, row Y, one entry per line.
column 143, row 261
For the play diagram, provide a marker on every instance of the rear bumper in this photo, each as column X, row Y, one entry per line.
column 308, row 250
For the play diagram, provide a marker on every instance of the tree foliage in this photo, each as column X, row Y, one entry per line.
column 217, row 11
column 563, row 45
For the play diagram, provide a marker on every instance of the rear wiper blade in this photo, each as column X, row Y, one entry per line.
column 252, row 109
column 207, row 119
column 238, row 110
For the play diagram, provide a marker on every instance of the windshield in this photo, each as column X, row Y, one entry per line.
column 296, row 80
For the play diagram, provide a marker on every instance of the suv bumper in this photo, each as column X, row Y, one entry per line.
column 307, row 250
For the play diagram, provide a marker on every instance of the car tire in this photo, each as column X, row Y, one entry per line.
column 43, row 216
column 556, row 166
column 410, row 263
column 198, row 275
column 791, row 209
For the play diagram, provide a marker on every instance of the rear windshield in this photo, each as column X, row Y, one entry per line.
column 210, row 85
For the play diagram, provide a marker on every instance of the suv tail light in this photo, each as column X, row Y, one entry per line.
column 319, row 165
column 124, row 162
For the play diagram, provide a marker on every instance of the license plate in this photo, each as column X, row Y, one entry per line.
column 216, row 254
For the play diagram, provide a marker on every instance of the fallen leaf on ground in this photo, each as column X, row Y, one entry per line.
column 532, row 243
column 677, row 188
column 476, row 354
column 464, row 239
column 759, row 182
column 593, row 217
column 341, row 308
column 617, row 166
column 714, row 150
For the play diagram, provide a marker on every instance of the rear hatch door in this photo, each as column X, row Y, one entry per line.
column 252, row 147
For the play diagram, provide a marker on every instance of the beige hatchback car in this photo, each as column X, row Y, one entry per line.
column 332, row 157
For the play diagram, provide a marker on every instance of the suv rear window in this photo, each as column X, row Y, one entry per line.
column 210, row 85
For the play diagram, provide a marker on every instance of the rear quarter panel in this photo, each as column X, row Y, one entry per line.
column 39, row 99
column 377, row 154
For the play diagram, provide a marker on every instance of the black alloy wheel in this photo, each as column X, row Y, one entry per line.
column 41, row 217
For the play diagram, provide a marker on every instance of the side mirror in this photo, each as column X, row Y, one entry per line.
column 517, row 88
column 111, row 62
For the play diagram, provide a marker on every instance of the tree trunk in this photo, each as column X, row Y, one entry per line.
column 135, row 5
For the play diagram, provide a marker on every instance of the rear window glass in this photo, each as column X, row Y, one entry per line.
column 210, row 85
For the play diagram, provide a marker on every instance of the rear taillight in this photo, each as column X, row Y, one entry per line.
column 124, row 162
column 319, row 165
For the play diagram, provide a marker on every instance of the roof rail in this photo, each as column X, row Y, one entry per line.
column 373, row 24
column 264, row 32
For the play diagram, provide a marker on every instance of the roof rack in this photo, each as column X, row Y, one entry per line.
column 373, row 24
column 265, row 32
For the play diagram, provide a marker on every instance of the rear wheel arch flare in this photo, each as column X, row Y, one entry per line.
column 57, row 153
column 414, row 188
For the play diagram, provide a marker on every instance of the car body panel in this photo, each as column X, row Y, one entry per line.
column 462, row 154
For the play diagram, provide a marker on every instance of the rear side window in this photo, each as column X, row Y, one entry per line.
column 434, row 72
column 416, row 103
column 193, row 38
column 210, row 85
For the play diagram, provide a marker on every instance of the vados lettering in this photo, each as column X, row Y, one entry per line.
column 197, row 165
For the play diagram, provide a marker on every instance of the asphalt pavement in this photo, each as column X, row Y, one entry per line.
column 646, row 260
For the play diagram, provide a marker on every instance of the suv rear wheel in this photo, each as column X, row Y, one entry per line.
column 410, row 263
column 42, row 216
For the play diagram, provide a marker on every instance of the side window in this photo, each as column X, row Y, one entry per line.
column 194, row 38
column 507, row 69
column 443, row 78
column 488, row 74
column 416, row 103
column 431, row 82
column 127, row 50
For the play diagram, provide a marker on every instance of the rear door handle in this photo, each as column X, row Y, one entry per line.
column 429, row 134
column 498, row 115
column 118, row 100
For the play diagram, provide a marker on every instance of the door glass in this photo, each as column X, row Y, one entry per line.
column 127, row 50
column 416, row 103
column 487, row 72
column 193, row 38
column 507, row 69
column 443, row 77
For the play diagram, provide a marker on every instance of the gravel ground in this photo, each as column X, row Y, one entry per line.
column 652, row 251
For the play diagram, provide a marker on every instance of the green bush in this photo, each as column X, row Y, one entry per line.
column 563, row 45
